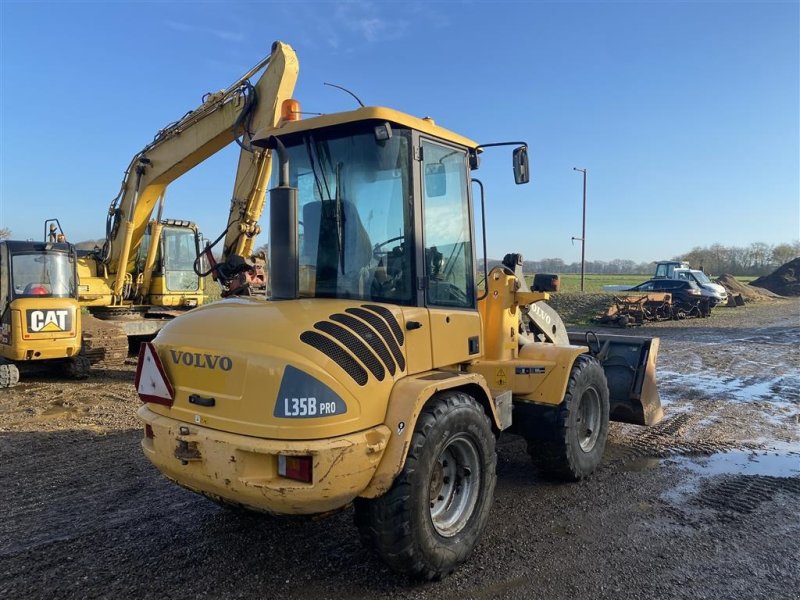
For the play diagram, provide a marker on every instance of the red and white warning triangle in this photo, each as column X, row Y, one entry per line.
column 151, row 380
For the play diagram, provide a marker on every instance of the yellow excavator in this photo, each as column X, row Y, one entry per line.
column 147, row 271
column 378, row 372
column 40, row 321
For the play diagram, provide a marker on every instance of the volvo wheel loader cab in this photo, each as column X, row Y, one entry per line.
column 376, row 373
column 39, row 314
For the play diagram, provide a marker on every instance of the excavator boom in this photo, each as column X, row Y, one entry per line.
column 222, row 118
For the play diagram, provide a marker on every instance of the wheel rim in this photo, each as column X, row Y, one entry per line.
column 589, row 419
column 455, row 485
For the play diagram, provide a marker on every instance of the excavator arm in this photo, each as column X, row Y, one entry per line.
column 223, row 117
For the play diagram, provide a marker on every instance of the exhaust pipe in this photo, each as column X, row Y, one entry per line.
column 284, row 264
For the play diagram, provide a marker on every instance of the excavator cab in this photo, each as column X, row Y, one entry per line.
column 169, row 278
column 39, row 312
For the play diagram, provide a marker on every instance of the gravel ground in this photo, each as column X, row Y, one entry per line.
column 704, row 505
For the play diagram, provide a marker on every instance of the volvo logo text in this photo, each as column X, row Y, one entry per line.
column 201, row 361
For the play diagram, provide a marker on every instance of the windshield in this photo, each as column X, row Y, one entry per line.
column 701, row 277
column 180, row 250
column 49, row 274
column 354, row 211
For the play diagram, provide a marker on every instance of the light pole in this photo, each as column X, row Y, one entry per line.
column 583, row 232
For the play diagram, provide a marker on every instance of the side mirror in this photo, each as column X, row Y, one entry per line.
column 521, row 168
column 435, row 180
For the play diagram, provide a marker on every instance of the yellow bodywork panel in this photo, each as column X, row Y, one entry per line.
column 275, row 369
column 540, row 373
column 451, row 331
column 94, row 286
column 418, row 340
column 244, row 469
column 41, row 329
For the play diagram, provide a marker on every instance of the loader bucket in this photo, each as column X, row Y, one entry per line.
column 630, row 366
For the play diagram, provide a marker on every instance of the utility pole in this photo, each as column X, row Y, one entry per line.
column 583, row 231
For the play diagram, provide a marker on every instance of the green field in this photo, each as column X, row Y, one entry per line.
column 571, row 282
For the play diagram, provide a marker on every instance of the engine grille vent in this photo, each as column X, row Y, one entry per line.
column 355, row 345
column 369, row 333
column 383, row 330
column 336, row 353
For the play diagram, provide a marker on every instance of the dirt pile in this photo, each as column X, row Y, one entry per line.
column 747, row 292
column 785, row 280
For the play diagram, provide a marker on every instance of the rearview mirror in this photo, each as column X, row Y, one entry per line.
column 521, row 169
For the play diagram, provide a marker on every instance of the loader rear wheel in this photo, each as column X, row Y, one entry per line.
column 76, row 367
column 9, row 375
column 431, row 519
column 576, row 446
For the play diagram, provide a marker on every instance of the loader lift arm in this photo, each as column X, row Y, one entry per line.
column 239, row 110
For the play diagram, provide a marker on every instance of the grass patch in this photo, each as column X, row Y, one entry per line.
column 571, row 282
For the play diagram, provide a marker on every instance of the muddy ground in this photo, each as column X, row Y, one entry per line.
column 704, row 505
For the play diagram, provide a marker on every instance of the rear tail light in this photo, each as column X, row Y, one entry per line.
column 299, row 468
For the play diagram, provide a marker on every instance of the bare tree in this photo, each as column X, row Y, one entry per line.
column 783, row 253
column 5, row 233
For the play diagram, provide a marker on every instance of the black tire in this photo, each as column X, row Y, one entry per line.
column 575, row 448
column 431, row 519
column 76, row 367
column 9, row 375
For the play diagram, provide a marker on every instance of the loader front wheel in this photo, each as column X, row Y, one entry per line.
column 575, row 448
column 431, row 519
column 9, row 375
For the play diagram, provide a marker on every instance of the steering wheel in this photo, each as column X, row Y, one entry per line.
column 376, row 249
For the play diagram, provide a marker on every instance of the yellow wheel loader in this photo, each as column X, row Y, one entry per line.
column 40, row 320
column 378, row 372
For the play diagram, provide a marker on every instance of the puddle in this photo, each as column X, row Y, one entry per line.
column 770, row 464
column 779, row 391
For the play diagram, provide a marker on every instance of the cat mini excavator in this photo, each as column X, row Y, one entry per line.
column 40, row 320
column 377, row 372
column 147, row 271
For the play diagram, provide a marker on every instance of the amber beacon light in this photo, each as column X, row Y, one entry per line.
column 290, row 110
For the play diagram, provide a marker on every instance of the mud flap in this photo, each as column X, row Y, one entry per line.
column 630, row 366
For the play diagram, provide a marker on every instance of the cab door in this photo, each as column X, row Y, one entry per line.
column 447, row 254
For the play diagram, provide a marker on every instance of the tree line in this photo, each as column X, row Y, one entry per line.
column 756, row 259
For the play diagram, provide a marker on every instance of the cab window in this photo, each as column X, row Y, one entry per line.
column 447, row 229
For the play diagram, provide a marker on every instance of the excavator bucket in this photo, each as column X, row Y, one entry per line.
column 630, row 366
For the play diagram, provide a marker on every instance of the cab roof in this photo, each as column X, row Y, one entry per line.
column 366, row 113
column 21, row 246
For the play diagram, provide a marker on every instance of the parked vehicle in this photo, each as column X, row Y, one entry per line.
column 715, row 293
column 686, row 295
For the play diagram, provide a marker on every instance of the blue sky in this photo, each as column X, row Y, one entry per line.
column 686, row 114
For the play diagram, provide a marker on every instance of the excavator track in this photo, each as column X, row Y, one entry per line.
column 104, row 344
